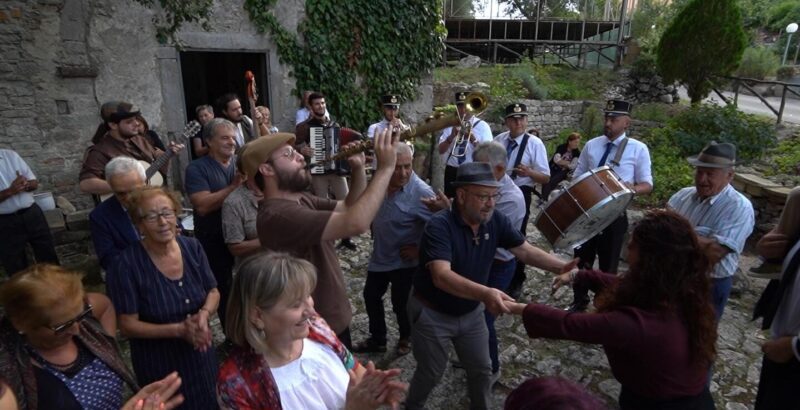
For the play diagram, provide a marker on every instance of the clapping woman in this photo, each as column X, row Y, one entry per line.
column 164, row 293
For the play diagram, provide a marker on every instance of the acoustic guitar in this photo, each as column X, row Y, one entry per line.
column 151, row 175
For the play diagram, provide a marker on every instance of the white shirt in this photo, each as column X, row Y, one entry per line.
column 482, row 133
column 534, row 156
column 378, row 126
column 316, row 380
column 10, row 164
column 512, row 205
column 633, row 167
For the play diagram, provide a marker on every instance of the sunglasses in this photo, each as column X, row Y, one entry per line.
column 60, row 328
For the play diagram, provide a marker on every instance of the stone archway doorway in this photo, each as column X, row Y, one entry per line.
column 208, row 75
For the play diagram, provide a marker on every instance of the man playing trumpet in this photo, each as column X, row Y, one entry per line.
column 391, row 106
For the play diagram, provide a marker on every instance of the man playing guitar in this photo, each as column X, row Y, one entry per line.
column 123, row 138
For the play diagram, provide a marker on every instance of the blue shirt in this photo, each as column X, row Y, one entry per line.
column 399, row 222
column 207, row 174
column 726, row 217
column 112, row 231
column 448, row 238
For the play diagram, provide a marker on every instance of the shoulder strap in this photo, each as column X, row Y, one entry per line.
column 620, row 150
column 520, row 151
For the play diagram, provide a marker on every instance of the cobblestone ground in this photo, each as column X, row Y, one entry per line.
column 733, row 385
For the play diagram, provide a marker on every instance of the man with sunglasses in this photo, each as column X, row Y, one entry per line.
column 292, row 220
column 450, row 285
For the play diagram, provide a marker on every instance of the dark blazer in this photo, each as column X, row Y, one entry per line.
column 112, row 231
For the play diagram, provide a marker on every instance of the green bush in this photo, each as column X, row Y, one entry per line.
column 786, row 157
column 657, row 112
column 758, row 63
column 644, row 66
column 671, row 171
column 693, row 129
column 785, row 73
column 592, row 122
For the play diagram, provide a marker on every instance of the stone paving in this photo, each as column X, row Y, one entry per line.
column 733, row 385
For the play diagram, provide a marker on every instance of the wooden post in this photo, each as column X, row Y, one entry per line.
column 783, row 104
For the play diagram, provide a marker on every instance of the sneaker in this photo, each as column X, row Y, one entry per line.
column 369, row 346
column 494, row 377
column 347, row 243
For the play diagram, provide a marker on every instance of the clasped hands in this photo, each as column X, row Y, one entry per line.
column 374, row 388
column 196, row 330
column 497, row 302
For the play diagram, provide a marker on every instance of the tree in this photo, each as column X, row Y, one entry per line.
column 705, row 39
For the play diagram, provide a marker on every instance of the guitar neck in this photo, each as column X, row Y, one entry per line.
column 190, row 129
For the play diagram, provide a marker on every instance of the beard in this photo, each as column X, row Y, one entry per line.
column 293, row 181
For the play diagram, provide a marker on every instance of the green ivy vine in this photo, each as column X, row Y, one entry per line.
column 174, row 13
column 354, row 51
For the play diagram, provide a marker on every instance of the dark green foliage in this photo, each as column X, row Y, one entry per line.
column 694, row 128
column 350, row 51
column 174, row 13
column 758, row 63
column 671, row 171
column 705, row 39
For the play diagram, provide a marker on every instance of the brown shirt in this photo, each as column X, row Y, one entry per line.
column 296, row 227
column 98, row 155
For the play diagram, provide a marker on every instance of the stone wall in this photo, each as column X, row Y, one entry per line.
column 61, row 59
column 767, row 197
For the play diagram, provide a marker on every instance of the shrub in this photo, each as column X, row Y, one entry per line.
column 786, row 157
column 758, row 63
column 694, row 128
column 592, row 122
column 785, row 73
column 671, row 171
column 644, row 66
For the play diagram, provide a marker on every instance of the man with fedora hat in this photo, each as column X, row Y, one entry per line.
column 461, row 154
column 450, row 285
column 122, row 138
column 295, row 221
column 391, row 106
column 722, row 217
column 630, row 159
column 527, row 164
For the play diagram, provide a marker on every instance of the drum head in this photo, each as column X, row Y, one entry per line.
column 595, row 220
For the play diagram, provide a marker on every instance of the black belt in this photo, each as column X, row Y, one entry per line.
column 19, row 211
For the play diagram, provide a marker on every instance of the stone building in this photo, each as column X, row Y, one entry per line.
column 61, row 59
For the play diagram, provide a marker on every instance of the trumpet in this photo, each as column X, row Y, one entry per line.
column 459, row 145
column 476, row 104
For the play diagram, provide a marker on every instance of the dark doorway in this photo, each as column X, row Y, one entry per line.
column 208, row 75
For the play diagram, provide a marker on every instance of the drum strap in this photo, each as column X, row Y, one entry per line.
column 620, row 151
column 520, row 151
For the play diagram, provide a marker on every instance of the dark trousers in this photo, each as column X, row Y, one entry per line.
column 26, row 226
column 515, row 287
column 375, row 288
column 221, row 262
column 450, row 173
column 777, row 387
column 499, row 277
column 607, row 246
column 555, row 178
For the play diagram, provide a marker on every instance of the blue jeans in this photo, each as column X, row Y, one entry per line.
column 720, row 290
column 499, row 278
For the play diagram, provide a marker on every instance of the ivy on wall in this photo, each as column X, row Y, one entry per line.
column 354, row 51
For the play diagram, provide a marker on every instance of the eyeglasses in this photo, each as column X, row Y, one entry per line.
column 483, row 198
column 289, row 153
column 151, row 217
column 60, row 328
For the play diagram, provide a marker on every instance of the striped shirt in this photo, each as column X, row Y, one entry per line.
column 512, row 205
column 726, row 217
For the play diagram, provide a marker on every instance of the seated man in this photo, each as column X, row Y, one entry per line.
column 112, row 229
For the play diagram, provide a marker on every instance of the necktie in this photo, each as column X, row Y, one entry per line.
column 605, row 154
column 510, row 148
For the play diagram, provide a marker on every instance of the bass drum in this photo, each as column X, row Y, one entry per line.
column 584, row 208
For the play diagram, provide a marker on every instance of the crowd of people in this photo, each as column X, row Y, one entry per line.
column 261, row 255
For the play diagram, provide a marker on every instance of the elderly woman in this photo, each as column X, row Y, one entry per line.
column 265, row 121
column 656, row 322
column 286, row 356
column 164, row 293
column 564, row 160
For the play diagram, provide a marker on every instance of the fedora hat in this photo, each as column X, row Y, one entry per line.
column 715, row 155
column 475, row 173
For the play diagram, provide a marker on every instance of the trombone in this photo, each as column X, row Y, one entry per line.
column 475, row 104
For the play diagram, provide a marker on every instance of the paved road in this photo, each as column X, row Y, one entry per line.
column 753, row 105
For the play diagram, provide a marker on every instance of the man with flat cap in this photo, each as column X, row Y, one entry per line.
column 391, row 106
column 630, row 159
column 122, row 139
column 527, row 163
column 450, row 285
column 462, row 154
column 722, row 217
column 292, row 220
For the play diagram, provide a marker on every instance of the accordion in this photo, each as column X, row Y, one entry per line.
column 326, row 142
